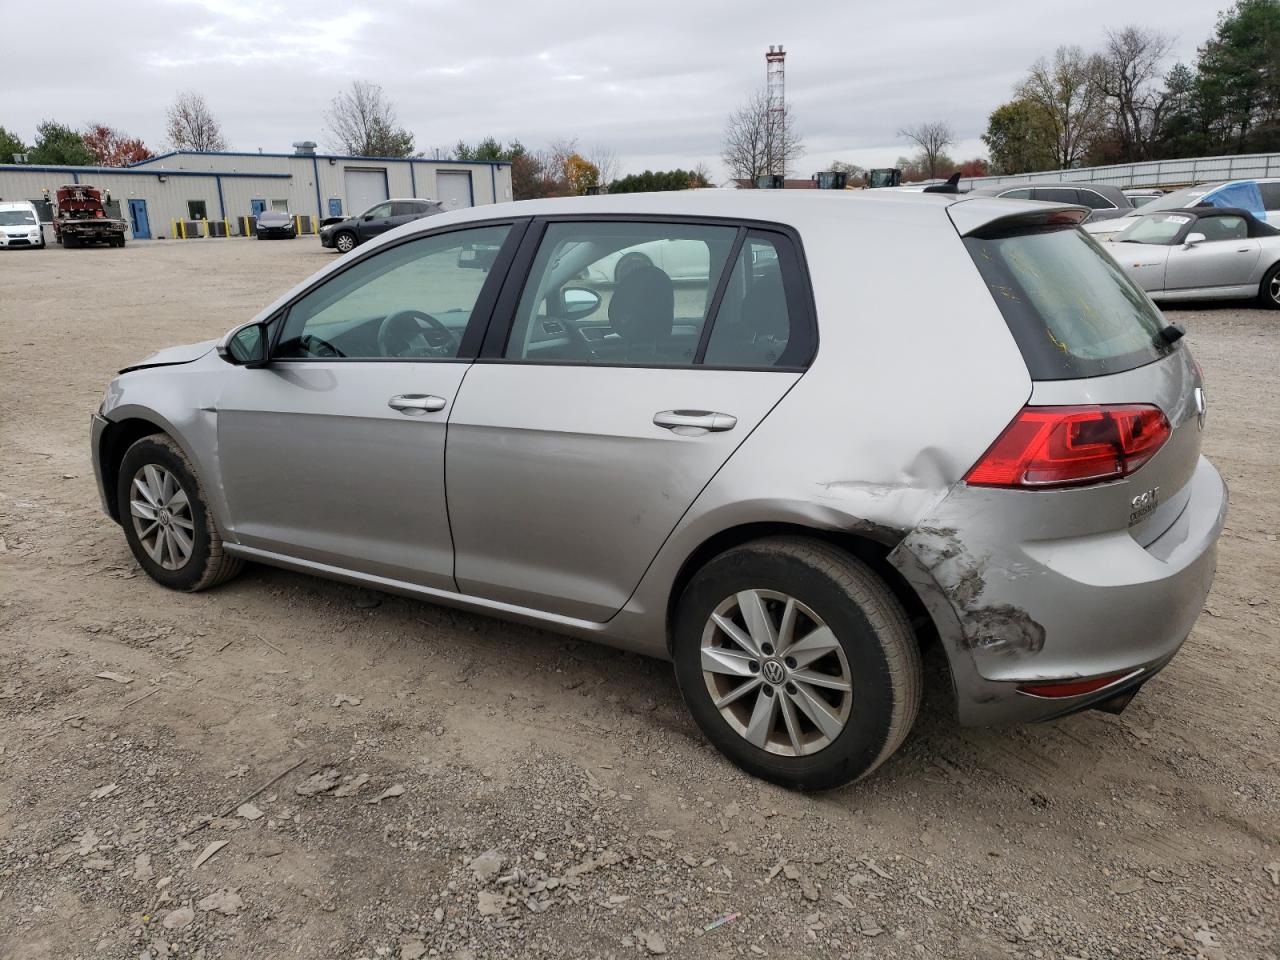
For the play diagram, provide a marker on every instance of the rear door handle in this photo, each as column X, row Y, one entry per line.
column 415, row 404
column 695, row 420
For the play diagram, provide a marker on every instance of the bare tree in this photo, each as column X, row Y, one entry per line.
column 1127, row 73
column 191, row 126
column 752, row 140
column 932, row 138
column 606, row 161
column 362, row 122
column 1066, row 90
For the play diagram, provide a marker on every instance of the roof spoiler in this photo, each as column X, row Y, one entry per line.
column 951, row 186
column 984, row 215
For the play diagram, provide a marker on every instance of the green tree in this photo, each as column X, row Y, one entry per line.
column 489, row 150
column 652, row 181
column 59, row 144
column 10, row 143
column 1238, row 77
column 1020, row 138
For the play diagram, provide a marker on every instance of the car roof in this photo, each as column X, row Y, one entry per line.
column 997, row 188
column 16, row 204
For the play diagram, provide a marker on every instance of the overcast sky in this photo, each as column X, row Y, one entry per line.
column 651, row 80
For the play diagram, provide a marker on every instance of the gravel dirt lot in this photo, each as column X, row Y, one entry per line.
column 460, row 787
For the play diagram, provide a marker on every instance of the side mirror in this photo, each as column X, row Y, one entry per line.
column 368, row 216
column 245, row 346
column 580, row 303
column 1193, row 239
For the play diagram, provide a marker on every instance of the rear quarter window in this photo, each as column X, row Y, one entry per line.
column 1072, row 310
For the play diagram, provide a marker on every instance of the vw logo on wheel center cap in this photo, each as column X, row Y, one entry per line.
column 773, row 671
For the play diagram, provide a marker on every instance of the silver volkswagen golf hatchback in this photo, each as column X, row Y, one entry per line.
column 848, row 427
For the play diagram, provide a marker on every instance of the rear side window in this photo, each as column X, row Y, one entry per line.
column 1071, row 309
column 1056, row 194
column 1270, row 195
column 1022, row 193
column 1091, row 198
column 758, row 324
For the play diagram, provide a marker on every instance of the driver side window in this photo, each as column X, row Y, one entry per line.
column 412, row 301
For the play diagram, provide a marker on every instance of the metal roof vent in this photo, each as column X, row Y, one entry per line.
column 304, row 148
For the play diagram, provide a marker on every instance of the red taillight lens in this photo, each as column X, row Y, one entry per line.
column 1065, row 446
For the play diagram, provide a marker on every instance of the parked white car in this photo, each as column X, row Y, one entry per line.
column 20, row 225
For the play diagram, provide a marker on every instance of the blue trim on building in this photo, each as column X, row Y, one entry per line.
column 315, row 170
column 129, row 172
column 413, row 181
column 222, row 206
column 318, row 156
column 493, row 183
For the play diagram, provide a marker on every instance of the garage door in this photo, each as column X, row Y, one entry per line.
column 364, row 189
column 454, row 188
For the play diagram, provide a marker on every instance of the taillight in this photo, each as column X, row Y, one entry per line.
column 1069, row 446
column 1054, row 690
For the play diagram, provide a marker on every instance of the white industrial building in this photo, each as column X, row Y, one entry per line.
column 156, row 195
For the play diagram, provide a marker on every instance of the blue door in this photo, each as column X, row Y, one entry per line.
column 335, row 207
column 257, row 206
column 138, row 220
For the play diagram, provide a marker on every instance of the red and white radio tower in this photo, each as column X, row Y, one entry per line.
column 775, row 59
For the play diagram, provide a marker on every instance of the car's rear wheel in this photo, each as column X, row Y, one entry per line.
column 345, row 241
column 166, row 517
column 797, row 662
column 1269, row 292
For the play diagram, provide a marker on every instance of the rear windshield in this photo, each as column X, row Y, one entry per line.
column 1072, row 310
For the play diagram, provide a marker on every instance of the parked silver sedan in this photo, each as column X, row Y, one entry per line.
column 1202, row 253
column 787, row 478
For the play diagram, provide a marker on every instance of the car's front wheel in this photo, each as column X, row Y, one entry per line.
column 345, row 241
column 166, row 517
column 797, row 662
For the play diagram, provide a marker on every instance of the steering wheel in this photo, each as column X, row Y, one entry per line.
column 402, row 330
column 578, row 341
column 313, row 346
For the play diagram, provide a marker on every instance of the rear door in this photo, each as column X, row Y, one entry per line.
column 600, row 409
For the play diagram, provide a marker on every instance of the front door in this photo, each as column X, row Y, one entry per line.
column 138, row 221
column 335, row 207
column 1226, row 258
column 334, row 453
column 597, row 414
column 256, row 207
column 375, row 221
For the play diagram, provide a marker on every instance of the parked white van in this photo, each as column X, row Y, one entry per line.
column 20, row 225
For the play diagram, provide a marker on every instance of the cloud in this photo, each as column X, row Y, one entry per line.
column 653, row 83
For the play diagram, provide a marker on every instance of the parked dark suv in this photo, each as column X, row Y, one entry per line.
column 346, row 235
column 1103, row 199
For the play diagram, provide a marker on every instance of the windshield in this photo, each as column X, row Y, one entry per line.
column 17, row 218
column 1157, row 228
column 1180, row 199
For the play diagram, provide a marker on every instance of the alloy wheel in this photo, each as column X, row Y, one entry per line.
column 1275, row 288
column 345, row 243
column 161, row 514
column 776, row 673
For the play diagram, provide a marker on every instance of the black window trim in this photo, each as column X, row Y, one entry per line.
column 800, row 303
column 481, row 313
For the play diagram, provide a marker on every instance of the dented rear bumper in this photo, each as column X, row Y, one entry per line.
column 1012, row 606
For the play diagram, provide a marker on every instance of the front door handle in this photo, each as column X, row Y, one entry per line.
column 680, row 420
column 415, row 404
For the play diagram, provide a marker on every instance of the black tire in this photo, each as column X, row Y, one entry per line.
column 345, row 241
column 1269, row 292
column 867, row 621
column 208, row 564
column 629, row 262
